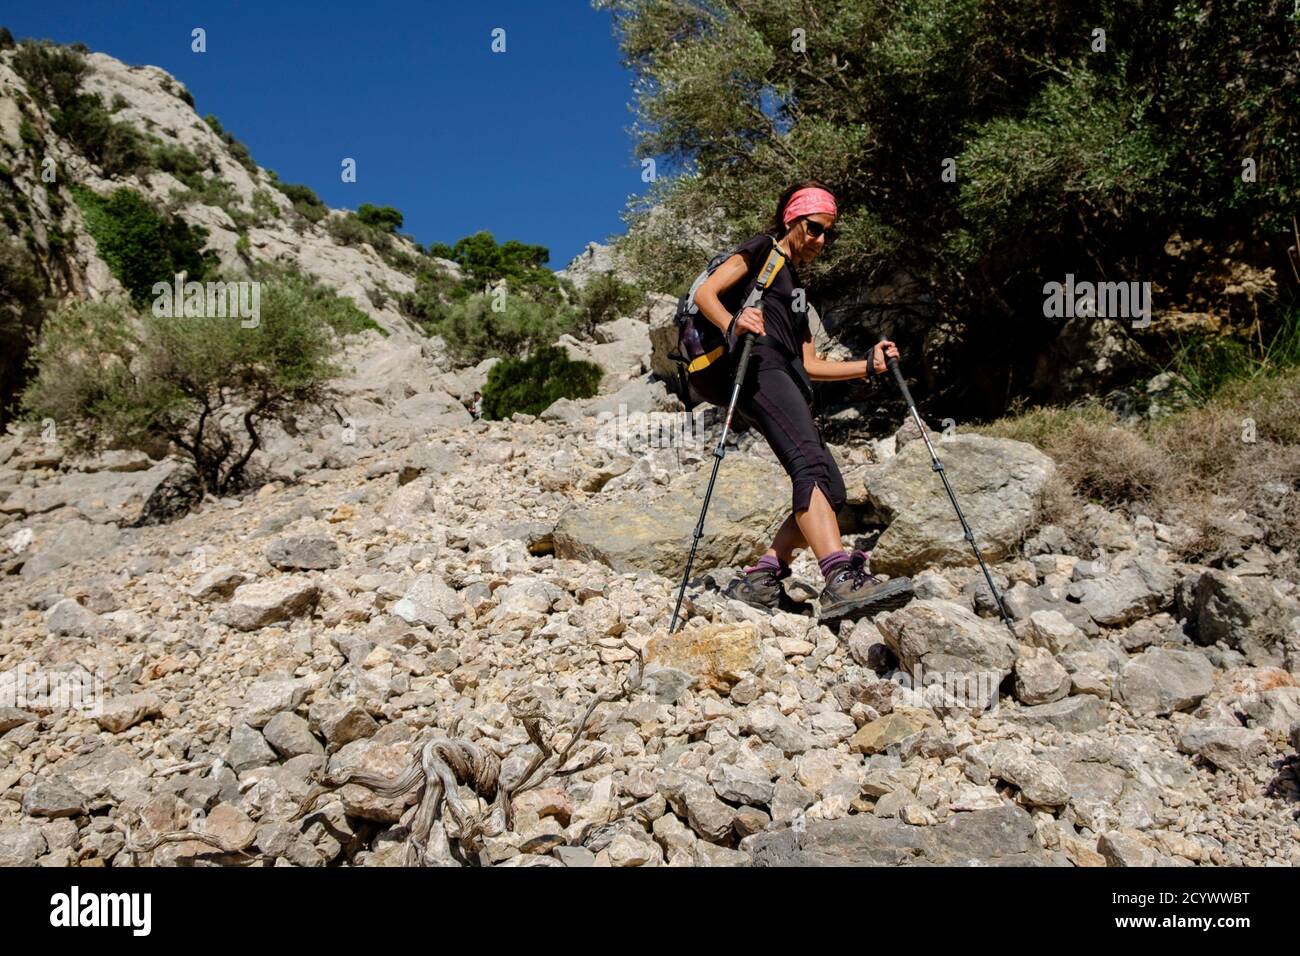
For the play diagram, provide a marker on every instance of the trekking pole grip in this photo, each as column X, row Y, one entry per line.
column 744, row 353
column 898, row 375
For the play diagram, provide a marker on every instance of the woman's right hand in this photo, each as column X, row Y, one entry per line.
column 750, row 320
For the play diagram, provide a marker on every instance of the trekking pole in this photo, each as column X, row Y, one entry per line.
column 718, row 454
column 938, row 466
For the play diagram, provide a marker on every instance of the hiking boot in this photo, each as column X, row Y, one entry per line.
column 852, row 592
column 763, row 590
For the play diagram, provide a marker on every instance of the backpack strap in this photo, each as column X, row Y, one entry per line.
column 766, row 276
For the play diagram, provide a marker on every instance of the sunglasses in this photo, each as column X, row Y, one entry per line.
column 815, row 229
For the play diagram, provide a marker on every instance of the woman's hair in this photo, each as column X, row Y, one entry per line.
column 777, row 226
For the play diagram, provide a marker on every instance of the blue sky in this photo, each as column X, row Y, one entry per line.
column 530, row 144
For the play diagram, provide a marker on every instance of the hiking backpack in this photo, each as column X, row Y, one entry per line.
column 700, row 343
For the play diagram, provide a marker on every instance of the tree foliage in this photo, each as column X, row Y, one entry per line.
column 380, row 217
column 1067, row 157
column 53, row 75
column 478, row 326
column 141, row 245
column 605, row 297
column 116, row 377
column 532, row 384
column 520, row 264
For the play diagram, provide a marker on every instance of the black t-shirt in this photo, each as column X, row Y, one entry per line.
column 786, row 327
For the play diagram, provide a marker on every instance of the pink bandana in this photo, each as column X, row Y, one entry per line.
column 807, row 202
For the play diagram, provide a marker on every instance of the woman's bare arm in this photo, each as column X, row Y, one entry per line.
column 723, row 278
column 821, row 370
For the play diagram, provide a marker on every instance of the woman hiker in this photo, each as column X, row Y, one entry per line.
column 776, row 398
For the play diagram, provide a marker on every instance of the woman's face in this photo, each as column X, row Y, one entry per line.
column 803, row 245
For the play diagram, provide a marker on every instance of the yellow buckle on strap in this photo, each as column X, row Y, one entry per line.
column 775, row 260
column 770, row 268
column 704, row 361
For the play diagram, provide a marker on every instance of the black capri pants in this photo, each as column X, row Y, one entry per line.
column 773, row 402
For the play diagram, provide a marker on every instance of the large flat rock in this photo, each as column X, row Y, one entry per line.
column 628, row 531
column 998, row 483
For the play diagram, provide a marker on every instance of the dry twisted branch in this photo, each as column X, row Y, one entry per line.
column 443, row 765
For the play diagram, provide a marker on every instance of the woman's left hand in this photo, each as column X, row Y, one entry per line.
column 879, row 365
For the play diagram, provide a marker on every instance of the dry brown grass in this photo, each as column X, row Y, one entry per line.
column 1194, row 468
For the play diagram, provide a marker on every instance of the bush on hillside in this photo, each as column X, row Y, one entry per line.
column 305, row 201
column 349, row 230
column 116, row 377
column 532, row 384
column 603, row 298
column 384, row 218
column 237, row 149
column 181, row 163
column 141, row 245
column 434, row 290
column 53, row 74
column 336, row 311
column 473, row 330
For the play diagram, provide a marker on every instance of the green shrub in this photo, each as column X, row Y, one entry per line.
column 305, row 201
column 140, row 245
column 400, row 260
column 215, row 191
column 115, row 147
column 312, row 213
column 605, row 297
column 351, row 231
column 208, row 385
column 1081, row 142
column 384, row 218
column 30, row 137
column 434, row 288
column 532, row 384
column 53, row 75
column 264, row 207
column 180, row 162
column 338, row 312
column 473, row 331
column 376, row 230
column 237, row 149
column 6, row 39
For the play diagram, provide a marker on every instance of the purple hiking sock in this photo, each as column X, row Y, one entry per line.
column 771, row 563
column 829, row 563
